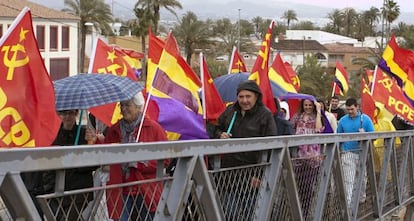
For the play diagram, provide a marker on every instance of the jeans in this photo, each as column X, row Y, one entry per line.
column 135, row 207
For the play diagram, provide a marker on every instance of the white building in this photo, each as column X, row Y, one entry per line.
column 320, row 36
column 56, row 33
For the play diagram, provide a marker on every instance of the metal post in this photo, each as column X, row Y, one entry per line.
column 238, row 42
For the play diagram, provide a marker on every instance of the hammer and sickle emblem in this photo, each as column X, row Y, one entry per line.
column 387, row 83
column 12, row 62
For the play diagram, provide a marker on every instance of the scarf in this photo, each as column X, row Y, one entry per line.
column 127, row 136
column 128, row 129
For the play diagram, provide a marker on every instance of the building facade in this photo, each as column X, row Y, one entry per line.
column 56, row 33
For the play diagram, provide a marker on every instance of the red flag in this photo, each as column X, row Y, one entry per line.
column 213, row 105
column 293, row 76
column 133, row 58
column 370, row 76
column 237, row 64
column 106, row 59
column 341, row 78
column 27, row 103
column 260, row 71
column 367, row 102
column 387, row 92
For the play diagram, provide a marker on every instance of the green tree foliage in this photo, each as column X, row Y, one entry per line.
column 94, row 11
column 391, row 11
column 289, row 16
column 304, row 25
column 313, row 78
column 154, row 6
column 191, row 33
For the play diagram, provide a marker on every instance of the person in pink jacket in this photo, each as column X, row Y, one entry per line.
column 137, row 200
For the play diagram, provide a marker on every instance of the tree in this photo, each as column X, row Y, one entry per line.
column 257, row 21
column 313, row 78
column 304, row 25
column 349, row 16
column 94, row 11
column 370, row 18
column 154, row 7
column 289, row 15
column 390, row 11
column 336, row 21
column 191, row 33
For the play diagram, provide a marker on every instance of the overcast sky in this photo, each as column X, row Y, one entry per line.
column 405, row 5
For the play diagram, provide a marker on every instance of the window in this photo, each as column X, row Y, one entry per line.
column 59, row 68
column 40, row 36
column 65, row 38
column 336, row 57
column 320, row 56
column 53, row 38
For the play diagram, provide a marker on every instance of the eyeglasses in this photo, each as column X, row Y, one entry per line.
column 67, row 112
column 126, row 105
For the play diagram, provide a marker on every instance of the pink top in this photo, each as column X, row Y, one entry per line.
column 306, row 127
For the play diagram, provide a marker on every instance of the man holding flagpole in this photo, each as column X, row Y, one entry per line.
column 247, row 117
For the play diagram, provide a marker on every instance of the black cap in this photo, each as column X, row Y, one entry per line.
column 250, row 86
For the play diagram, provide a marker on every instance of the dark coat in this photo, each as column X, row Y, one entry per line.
column 284, row 127
column 76, row 178
column 257, row 122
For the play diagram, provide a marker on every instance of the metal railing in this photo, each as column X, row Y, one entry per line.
column 280, row 186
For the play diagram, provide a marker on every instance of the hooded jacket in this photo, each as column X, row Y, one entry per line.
column 256, row 122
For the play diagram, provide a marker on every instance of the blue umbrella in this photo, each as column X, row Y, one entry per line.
column 84, row 91
column 227, row 86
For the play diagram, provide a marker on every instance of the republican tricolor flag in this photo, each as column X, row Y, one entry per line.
column 174, row 87
column 27, row 103
column 341, row 78
column 399, row 63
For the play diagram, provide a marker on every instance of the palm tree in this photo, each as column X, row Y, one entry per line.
column 390, row 12
column 94, row 11
column 191, row 33
column 257, row 21
column 289, row 15
column 336, row 21
column 155, row 6
column 349, row 18
column 370, row 18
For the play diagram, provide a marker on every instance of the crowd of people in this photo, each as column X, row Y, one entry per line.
column 246, row 117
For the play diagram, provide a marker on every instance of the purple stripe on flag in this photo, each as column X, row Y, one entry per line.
column 164, row 84
column 175, row 117
column 384, row 66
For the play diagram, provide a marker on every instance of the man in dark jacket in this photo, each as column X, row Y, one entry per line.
column 247, row 117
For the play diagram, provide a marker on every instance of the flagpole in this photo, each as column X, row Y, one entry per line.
column 333, row 93
column 145, row 108
column 373, row 79
column 203, row 88
column 232, row 59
